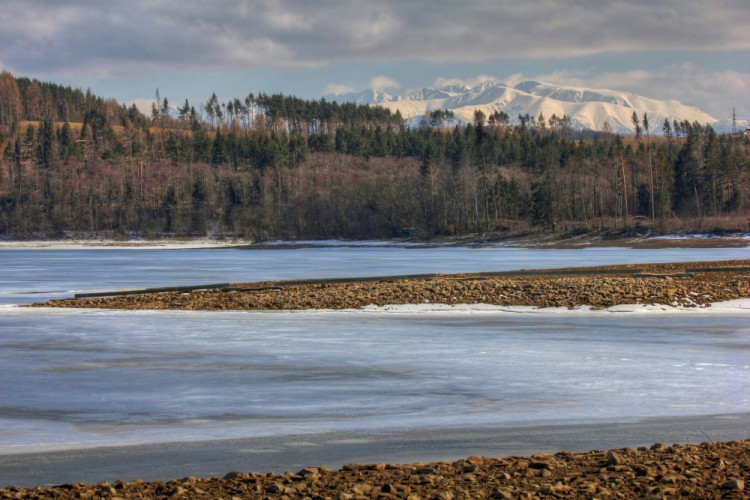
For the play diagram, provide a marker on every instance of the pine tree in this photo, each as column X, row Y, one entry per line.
column 636, row 126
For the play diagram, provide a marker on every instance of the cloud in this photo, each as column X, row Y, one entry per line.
column 514, row 79
column 337, row 88
column 383, row 82
column 143, row 105
column 471, row 82
column 84, row 40
column 151, row 35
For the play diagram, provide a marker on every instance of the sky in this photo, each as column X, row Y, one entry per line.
column 693, row 51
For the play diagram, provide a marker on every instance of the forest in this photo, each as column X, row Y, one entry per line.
column 266, row 167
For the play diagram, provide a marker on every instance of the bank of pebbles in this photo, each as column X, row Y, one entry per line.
column 706, row 471
column 598, row 287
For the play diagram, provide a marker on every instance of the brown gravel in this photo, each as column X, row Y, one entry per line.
column 707, row 471
column 657, row 284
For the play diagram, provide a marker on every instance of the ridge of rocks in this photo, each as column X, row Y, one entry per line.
column 598, row 287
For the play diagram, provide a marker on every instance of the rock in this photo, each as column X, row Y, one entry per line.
column 388, row 488
column 470, row 468
column 540, row 465
column 614, row 459
column 501, row 494
column 309, row 474
column 733, row 484
column 274, row 488
column 177, row 492
column 424, row 470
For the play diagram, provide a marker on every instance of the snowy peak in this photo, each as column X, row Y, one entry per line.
column 364, row 98
column 588, row 109
column 571, row 94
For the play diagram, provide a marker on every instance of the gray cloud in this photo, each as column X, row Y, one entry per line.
column 89, row 39
column 41, row 36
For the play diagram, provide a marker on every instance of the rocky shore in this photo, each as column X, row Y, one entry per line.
column 687, row 285
column 707, row 471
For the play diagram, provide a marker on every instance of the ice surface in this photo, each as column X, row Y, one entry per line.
column 91, row 378
column 87, row 378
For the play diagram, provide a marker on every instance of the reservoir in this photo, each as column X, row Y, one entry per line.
column 90, row 395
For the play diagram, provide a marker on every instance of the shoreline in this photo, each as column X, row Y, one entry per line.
column 696, row 284
column 149, row 469
column 692, row 240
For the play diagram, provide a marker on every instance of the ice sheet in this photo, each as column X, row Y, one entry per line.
column 87, row 378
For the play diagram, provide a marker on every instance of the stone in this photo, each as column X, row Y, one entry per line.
column 501, row 494
column 614, row 459
column 309, row 474
column 539, row 465
column 388, row 488
column 424, row 470
column 177, row 492
column 274, row 488
column 733, row 484
column 470, row 468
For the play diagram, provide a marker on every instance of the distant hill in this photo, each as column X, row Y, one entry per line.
column 588, row 109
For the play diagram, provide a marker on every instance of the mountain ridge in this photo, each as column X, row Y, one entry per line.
column 587, row 108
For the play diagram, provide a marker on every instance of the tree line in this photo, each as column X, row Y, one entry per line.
column 275, row 166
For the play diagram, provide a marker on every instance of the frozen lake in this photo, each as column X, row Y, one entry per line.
column 36, row 275
column 276, row 390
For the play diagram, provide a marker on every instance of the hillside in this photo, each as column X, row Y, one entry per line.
column 280, row 167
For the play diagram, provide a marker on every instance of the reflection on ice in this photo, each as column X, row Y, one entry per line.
column 97, row 378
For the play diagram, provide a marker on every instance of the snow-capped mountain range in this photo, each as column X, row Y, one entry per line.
column 588, row 109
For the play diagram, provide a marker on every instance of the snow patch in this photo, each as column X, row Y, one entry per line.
column 731, row 306
column 120, row 245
